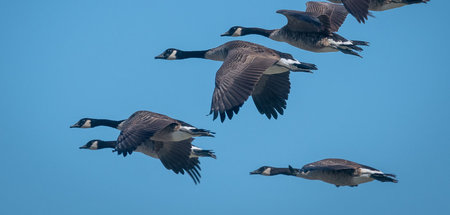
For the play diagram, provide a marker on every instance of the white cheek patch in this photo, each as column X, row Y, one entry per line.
column 94, row 145
column 173, row 55
column 266, row 171
column 237, row 33
column 87, row 124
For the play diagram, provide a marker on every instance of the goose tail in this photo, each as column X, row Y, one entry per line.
column 198, row 152
column 197, row 132
column 384, row 177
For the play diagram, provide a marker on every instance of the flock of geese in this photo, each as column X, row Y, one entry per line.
column 251, row 69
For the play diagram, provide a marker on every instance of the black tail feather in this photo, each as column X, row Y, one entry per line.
column 384, row 177
column 360, row 43
column 204, row 153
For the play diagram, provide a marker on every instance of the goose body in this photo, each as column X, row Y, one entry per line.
column 157, row 136
column 146, row 148
column 335, row 171
column 360, row 8
column 313, row 30
column 247, row 69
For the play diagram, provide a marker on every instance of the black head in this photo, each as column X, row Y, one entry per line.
column 169, row 54
column 264, row 170
column 83, row 123
column 234, row 31
column 92, row 145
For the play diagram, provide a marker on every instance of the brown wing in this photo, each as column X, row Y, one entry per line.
column 139, row 128
column 358, row 8
column 305, row 21
column 235, row 81
column 333, row 165
column 175, row 156
column 270, row 94
column 336, row 12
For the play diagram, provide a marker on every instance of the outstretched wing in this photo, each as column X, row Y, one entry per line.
column 358, row 8
column 270, row 94
column 305, row 21
column 140, row 127
column 175, row 156
column 336, row 12
column 333, row 165
column 235, row 81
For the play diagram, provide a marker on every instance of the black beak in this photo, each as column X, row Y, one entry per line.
column 74, row 126
column 225, row 34
column 161, row 56
column 255, row 172
column 83, row 147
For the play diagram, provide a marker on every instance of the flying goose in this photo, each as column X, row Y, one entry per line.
column 339, row 172
column 312, row 30
column 247, row 69
column 196, row 152
column 360, row 8
column 156, row 135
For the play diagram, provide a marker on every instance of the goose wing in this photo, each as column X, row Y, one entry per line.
column 236, row 79
column 270, row 94
column 306, row 21
column 175, row 156
column 358, row 8
column 336, row 12
column 333, row 165
column 139, row 128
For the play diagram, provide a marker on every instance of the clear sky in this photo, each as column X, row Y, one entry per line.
column 64, row 60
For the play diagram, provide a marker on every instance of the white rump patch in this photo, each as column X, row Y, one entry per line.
column 283, row 65
column 365, row 171
column 195, row 148
column 287, row 62
column 338, row 43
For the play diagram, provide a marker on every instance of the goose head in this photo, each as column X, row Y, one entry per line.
column 234, row 31
column 264, row 170
column 83, row 123
column 92, row 145
column 169, row 54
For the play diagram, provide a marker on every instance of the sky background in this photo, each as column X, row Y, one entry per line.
column 64, row 60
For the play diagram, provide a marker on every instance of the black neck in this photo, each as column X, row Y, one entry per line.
column 259, row 31
column 191, row 54
column 106, row 144
column 105, row 122
column 280, row 171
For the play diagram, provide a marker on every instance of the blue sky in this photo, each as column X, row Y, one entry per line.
column 64, row 60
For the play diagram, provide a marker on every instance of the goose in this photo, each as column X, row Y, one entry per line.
column 360, row 8
column 196, row 152
column 335, row 171
column 313, row 30
column 156, row 135
column 247, row 69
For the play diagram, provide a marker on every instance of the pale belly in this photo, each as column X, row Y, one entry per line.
column 275, row 70
column 173, row 136
column 147, row 149
column 312, row 47
column 306, row 41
